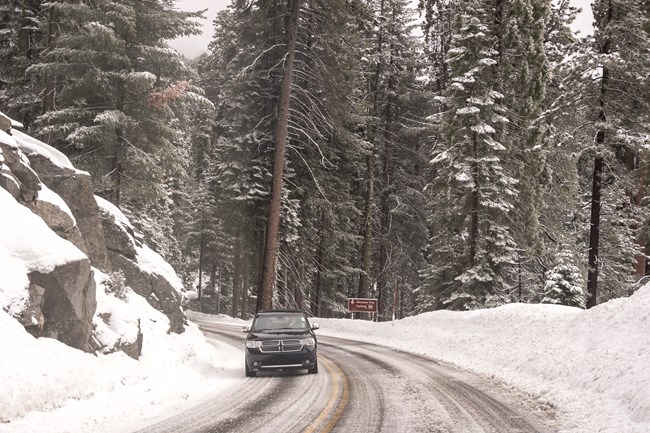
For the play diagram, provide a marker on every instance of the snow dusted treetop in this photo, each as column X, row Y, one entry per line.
column 108, row 58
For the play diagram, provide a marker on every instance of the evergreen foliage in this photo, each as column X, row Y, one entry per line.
column 464, row 166
column 564, row 286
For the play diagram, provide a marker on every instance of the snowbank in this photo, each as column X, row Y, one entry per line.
column 593, row 366
column 49, row 387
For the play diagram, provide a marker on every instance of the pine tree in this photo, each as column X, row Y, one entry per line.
column 478, row 192
column 115, row 81
column 22, row 39
column 564, row 285
column 619, row 133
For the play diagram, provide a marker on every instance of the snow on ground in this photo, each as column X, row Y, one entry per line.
column 592, row 367
column 48, row 387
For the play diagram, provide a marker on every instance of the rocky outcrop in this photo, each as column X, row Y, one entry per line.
column 16, row 176
column 59, row 218
column 61, row 299
column 61, row 293
column 124, row 249
column 62, row 304
column 76, row 189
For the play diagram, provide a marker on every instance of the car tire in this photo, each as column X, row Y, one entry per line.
column 314, row 369
column 249, row 372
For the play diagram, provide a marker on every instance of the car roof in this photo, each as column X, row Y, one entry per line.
column 280, row 311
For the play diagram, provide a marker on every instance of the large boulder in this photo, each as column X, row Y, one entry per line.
column 64, row 302
column 47, row 283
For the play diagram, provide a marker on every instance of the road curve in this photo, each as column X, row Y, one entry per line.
column 360, row 388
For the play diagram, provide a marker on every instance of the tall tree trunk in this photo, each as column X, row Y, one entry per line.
column 218, row 291
column 373, row 89
column 244, row 297
column 387, row 183
column 474, row 205
column 265, row 297
column 201, row 247
column 316, row 295
column 116, row 176
column 236, row 277
column 48, row 94
column 366, row 248
column 594, row 235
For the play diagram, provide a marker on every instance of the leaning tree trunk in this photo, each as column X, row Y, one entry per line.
column 265, row 297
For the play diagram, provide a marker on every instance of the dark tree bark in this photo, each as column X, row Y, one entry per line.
column 236, row 278
column 373, row 88
column 474, row 205
column 316, row 294
column 594, row 234
column 265, row 297
column 201, row 247
column 366, row 248
column 244, row 297
column 48, row 94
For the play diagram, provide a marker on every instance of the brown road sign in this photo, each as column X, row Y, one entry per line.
column 362, row 305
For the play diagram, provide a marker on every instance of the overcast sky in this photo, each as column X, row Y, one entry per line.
column 195, row 45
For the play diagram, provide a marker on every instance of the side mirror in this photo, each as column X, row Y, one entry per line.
column 246, row 329
column 315, row 326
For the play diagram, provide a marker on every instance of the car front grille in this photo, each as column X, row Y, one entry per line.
column 276, row 346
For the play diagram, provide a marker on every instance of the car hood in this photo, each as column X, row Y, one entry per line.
column 278, row 336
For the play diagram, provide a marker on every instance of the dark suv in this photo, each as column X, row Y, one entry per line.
column 281, row 339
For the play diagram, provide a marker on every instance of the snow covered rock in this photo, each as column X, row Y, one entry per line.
column 144, row 270
column 117, row 319
column 45, row 281
column 75, row 188
column 16, row 176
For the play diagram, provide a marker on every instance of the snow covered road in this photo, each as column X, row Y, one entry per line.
column 361, row 388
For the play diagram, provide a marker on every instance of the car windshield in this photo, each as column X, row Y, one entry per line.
column 280, row 322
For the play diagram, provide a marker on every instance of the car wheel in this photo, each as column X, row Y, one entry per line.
column 249, row 372
column 314, row 369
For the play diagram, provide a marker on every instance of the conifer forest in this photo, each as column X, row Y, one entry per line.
column 440, row 154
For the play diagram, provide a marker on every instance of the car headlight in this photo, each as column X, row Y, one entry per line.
column 253, row 344
column 308, row 342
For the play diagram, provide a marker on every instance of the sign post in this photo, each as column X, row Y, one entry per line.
column 362, row 305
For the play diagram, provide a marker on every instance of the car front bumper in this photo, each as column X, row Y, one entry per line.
column 304, row 359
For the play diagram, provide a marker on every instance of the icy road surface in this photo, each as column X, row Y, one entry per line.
column 360, row 388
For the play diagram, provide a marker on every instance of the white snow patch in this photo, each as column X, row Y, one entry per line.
column 7, row 139
column 47, row 195
column 30, row 145
column 573, row 359
column 48, row 387
column 26, row 244
column 109, row 207
column 152, row 262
